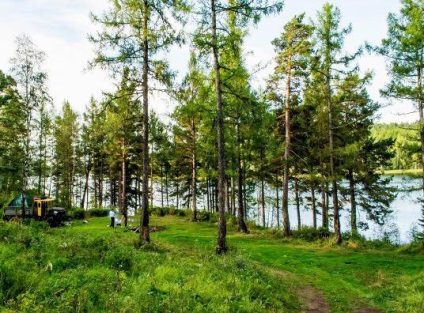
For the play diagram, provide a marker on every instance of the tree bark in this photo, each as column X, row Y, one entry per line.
column 286, row 220
column 353, row 222
column 263, row 202
column 314, row 209
column 84, row 193
column 324, row 206
column 222, row 227
column 278, row 200
column 233, row 197
column 297, row 199
column 337, row 232
column 421, row 122
column 242, row 227
column 144, row 220
column 193, row 174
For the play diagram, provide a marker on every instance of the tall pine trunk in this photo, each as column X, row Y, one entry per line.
column 353, row 222
column 242, row 227
column 286, row 221
column 313, row 206
column 335, row 196
column 222, row 227
column 85, row 191
column 297, row 200
column 421, row 122
column 263, row 202
column 278, row 200
column 144, row 220
column 324, row 205
column 193, row 174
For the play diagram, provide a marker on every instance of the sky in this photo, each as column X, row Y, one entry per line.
column 60, row 28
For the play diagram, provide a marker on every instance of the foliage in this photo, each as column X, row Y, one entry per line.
column 63, row 269
column 98, row 212
column 311, row 234
column 76, row 213
column 65, row 133
column 12, row 138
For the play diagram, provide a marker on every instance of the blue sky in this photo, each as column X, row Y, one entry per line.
column 60, row 28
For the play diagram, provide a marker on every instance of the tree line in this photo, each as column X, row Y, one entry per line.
column 309, row 136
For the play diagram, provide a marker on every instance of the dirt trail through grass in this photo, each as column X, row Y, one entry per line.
column 312, row 300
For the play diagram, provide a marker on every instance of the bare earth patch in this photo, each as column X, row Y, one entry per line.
column 312, row 300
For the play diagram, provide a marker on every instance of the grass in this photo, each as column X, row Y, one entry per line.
column 92, row 268
column 412, row 172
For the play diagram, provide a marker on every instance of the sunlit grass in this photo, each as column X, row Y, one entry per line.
column 90, row 267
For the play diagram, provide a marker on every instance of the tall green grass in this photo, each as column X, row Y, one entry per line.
column 89, row 267
column 92, row 268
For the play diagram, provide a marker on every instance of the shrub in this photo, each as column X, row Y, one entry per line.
column 311, row 234
column 183, row 213
column 353, row 237
column 159, row 211
column 231, row 220
column 98, row 212
column 203, row 215
column 76, row 213
column 214, row 217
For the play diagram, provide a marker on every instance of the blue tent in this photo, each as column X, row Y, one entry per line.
column 17, row 202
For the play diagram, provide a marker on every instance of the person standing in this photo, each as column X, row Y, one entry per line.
column 112, row 218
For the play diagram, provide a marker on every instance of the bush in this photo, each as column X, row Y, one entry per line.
column 346, row 236
column 99, row 212
column 159, row 211
column 76, row 213
column 231, row 220
column 203, row 215
column 311, row 234
column 183, row 213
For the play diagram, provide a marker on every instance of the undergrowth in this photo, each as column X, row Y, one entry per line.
column 90, row 268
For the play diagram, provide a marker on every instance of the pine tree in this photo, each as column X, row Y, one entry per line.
column 404, row 51
column 31, row 81
column 12, row 138
column 208, row 38
column 330, row 67
column 134, row 34
column 66, row 136
column 293, row 49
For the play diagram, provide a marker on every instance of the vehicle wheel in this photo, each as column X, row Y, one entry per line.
column 51, row 221
column 15, row 220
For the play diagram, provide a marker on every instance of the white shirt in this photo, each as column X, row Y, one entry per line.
column 111, row 214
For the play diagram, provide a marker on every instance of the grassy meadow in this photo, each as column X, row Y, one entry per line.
column 88, row 267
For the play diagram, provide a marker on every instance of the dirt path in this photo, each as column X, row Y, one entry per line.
column 312, row 300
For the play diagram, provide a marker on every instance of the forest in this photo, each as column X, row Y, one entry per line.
column 309, row 139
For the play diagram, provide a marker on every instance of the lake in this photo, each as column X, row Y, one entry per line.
column 406, row 211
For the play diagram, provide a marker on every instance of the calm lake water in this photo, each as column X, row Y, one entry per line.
column 406, row 211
